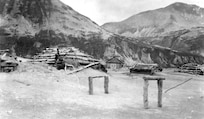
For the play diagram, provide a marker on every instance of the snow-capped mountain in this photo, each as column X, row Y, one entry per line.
column 157, row 22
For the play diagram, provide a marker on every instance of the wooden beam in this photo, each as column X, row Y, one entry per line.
column 98, row 76
column 145, row 94
column 106, row 81
column 78, row 70
column 90, row 86
column 160, row 84
column 153, row 78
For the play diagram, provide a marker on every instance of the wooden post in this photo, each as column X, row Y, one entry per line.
column 159, row 83
column 106, row 81
column 0, row 64
column 90, row 86
column 65, row 67
column 145, row 93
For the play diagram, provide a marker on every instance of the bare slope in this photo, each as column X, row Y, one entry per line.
column 156, row 22
column 29, row 17
column 186, row 40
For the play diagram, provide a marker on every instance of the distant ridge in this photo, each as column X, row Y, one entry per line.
column 153, row 23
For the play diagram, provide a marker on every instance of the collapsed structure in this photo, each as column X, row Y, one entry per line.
column 145, row 68
column 66, row 58
column 8, row 62
column 192, row 68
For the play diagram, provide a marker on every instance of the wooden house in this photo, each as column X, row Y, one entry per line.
column 114, row 63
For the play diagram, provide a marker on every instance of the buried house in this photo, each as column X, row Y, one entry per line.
column 114, row 63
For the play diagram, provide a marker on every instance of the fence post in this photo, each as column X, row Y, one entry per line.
column 160, row 84
column 106, row 81
column 145, row 93
column 90, row 86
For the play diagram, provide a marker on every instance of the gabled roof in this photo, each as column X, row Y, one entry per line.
column 114, row 60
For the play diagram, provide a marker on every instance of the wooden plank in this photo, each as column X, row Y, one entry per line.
column 6, row 50
column 145, row 94
column 0, row 65
column 98, row 76
column 75, row 71
column 106, row 81
column 160, row 85
column 90, row 86
column 153, row 78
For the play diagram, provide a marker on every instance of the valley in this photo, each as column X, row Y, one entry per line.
column 35, row 33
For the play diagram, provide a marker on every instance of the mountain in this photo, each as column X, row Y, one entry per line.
column 29, row 17
column 153, row 23
column 29, row 26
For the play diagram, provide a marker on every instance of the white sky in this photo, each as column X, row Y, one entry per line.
column 103, row 11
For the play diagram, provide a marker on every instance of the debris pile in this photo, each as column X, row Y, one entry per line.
column 8, row 63
column 146, row 68
column 64, row 58
column 192, row 68
column 35, row 67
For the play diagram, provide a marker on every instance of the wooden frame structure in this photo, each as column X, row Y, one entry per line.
column 145, row 93
column 106, row 81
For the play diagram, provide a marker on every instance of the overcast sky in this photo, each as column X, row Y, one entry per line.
column 103, row 11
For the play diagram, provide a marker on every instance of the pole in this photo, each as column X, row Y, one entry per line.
column 90, row 86
column 160, row 84
column 106, row 81
column 145, row 93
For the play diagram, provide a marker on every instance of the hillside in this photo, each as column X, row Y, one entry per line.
column 153, row 23
column 28, row 27
column 186, row 40
column 133, row 51
column 25, row 17
column 35, row 24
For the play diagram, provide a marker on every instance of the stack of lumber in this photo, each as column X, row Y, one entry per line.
column 192, row 68
column 67, row 53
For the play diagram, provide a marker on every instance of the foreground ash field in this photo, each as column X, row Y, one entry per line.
column 38, row 91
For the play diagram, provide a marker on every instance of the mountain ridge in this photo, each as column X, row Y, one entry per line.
column 29, row 17
column 152, row 23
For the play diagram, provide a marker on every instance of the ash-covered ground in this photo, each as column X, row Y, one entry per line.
column 38, row 91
